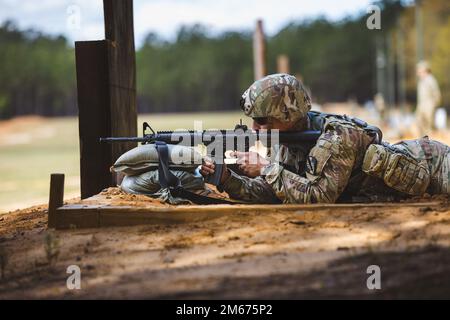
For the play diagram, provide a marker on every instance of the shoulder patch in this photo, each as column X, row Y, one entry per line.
column 311, row 165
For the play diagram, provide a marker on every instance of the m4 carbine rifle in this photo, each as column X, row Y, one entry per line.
column 238, row 139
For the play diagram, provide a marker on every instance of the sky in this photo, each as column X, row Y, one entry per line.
column 83, row 19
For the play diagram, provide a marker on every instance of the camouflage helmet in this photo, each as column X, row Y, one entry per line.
column 280, row 96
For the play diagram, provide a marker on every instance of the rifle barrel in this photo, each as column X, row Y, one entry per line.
column 171, row 136
column 124, row 139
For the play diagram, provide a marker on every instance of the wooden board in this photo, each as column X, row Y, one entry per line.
column 94, row 112
column 121, row 59
column 94, row 216
column 106, row 82
column 259, row 51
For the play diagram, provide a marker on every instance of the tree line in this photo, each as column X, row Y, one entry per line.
column 198, row 71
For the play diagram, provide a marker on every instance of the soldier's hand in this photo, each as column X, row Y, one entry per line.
column 208, row 168
column 250, row 163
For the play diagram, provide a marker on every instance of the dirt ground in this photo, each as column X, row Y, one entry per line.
column 301, row 254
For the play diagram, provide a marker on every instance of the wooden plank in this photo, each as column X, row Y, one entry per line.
column 121, row 59
column 56, row 197
column 128, row 217
column 92, row 216
column 259, row 51
column 119, row 32
column 77, row 218
column 283, row 64
column 94, row 115
column 250, row 207
column 106, row 81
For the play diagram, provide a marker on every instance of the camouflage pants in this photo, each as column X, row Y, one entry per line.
column 437, row 156
column 425, row 121
column 440, row 165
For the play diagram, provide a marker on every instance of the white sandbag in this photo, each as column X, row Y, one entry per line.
column 145, row 158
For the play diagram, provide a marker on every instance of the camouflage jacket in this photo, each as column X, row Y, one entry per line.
column 330, row 171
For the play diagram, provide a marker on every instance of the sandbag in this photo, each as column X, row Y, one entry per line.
column 145, row 158
column 147, row 183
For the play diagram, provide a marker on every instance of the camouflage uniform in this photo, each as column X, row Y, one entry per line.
column 332, row 170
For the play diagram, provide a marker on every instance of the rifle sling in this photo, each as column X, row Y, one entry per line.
column 168, row 180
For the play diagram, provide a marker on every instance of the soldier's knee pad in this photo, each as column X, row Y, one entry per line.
column 399, row 171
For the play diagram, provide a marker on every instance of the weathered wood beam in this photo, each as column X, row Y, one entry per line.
column 259, row 51
column 94, row 116
column 56, row 198
column 94, row 216
column 106, row 82
column 119, row 34
column 283, row 64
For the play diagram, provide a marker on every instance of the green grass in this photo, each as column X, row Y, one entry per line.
column 53, row 147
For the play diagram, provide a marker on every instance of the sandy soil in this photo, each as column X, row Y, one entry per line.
column 20, row 130
column 320, row 254
column 324, row 254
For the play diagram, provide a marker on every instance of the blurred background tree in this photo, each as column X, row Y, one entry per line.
column 37, row 73
column 203, row 72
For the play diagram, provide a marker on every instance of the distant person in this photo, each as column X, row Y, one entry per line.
column 428, row 98
column 380, row 106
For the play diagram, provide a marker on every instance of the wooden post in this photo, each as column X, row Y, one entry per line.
column 259, row 51
column 119, row 35
column 283, row 64
column 56, row 197
column 106, row 82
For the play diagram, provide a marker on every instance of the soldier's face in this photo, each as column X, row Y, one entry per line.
column 271, row 123
column 421, row 72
